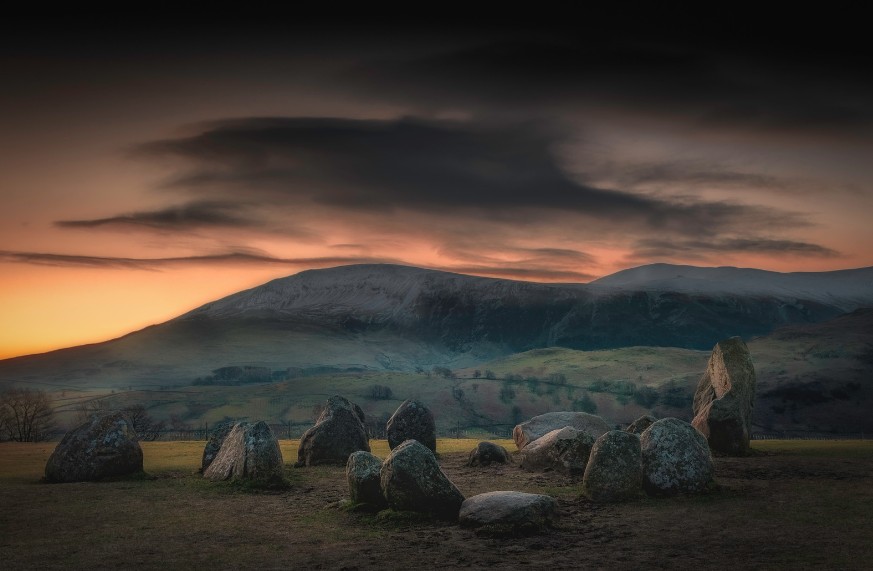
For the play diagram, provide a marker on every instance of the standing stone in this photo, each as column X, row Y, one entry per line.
column 338, row 432
column 104, row 447
column 539, row 426
column 725, row 398
column 615, row 468
column 676, row 458
column 565, row 450
column 412, row 480
column 516, row 510
column 249, row 452
column 487, row 453
column 363, row 473
column 216, row 437
column 411, row 421
column 641, row 424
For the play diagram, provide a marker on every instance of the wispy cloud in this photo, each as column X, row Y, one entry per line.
column 664, row 248
column 182, row 218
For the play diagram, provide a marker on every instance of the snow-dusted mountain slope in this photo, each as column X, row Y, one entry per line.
column 846, row 289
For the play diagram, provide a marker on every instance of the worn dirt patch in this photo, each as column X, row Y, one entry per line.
column 777, row 510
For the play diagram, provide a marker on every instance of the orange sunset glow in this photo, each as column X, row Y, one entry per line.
column 224, row 162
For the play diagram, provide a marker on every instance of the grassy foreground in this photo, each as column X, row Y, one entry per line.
column 792, row 505
column 23, row 462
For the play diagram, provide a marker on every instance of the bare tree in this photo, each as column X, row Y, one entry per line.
column 146, row 427
column 27, row 415
column 85, row 410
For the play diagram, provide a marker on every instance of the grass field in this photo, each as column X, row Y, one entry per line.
column 792, row 504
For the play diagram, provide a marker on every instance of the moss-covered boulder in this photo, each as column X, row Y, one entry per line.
column 104, row 447
column 412, row 480
column 676, row 458
column 615, row 469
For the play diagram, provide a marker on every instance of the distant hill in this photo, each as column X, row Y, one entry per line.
column 398, row 318
column 845, row 289
column 811, row 378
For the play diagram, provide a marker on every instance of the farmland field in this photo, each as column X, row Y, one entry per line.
column 793, row 504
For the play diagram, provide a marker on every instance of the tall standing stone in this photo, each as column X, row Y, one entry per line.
column 104, row 447
column 411, row 421
column 338, row 432
column 725, row 398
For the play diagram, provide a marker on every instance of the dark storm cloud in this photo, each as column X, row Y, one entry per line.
column 693, row 79
column 185, row 217
column 505, row 172
column 655, row 248
column 65, row 260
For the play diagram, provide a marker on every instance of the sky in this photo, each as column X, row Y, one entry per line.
column 147, row 169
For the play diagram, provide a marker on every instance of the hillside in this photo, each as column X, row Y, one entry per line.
column 812, row 378
column 397, row 318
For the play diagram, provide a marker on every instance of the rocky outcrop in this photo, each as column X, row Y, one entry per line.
column 725, row 398
column 676, row 458
column 517, row 511
column 363, row 475
column 338, row 432
column 641, row 424
column 411, row 421
column 412, row 480
column 104, row 447
column 249, row 452
column 487, row 453
column 565, row 450
column 539, row 426
column 615, row 469
column 216, row 438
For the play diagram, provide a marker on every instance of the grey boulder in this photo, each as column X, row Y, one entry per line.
column 615, row 469
column 412, row 480
column 565, row 450
column 676, row 458
column 725, row 398
column 249, row 452
column 104, row 447
column 516, row 510
column 641, row 424
column 539, row 426
column 411, row 421
column 363, row 474
column 487, row 453
column 338, row 432
column 216, row 438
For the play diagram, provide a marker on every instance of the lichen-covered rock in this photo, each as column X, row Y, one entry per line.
column 249, row 452
column 104, row 447
column 676, row 458
column 411, row 421
column 725, row 398
column 641, row 424
column 515, row 510
column 487, row 453
column 363, row 472
column 539, row 426
column 565, row 450
column 216, row 437
column 615, row 468
column 412, row 480
column 338, row 432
